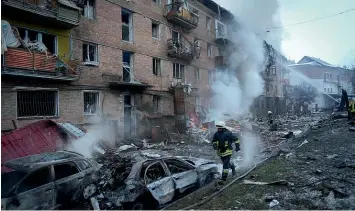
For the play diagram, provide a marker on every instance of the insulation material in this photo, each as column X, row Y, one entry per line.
column 8, row 37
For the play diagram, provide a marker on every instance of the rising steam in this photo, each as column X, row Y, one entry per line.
column 235, row 90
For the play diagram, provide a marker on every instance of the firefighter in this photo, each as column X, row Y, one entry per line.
column 270, row 119
column 222, row 142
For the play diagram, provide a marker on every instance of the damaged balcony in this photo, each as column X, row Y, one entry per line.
column 180, row 49
column 26, row 63
column 221, row 61
column 64, row 13
column 177, row 14
column 222, row 37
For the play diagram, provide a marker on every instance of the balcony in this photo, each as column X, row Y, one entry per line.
column 176, row 14
column 60, row 12
column 23, row 63
column 180, row 49
column 221, row 62
column 222, row 34
column 117, row 82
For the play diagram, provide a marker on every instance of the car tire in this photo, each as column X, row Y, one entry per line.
column 137, row 205
column 209, row 179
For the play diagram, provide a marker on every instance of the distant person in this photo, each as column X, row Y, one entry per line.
column 344, row 101
column 270, row 119
column 222, row 142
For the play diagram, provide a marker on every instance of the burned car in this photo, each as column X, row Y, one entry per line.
column 45, row 181
column 154, row 181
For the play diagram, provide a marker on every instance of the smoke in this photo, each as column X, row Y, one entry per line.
column 88, row 143
column 235, row 89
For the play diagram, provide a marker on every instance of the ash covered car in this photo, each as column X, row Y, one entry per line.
column 156, row 180
column 46, row 181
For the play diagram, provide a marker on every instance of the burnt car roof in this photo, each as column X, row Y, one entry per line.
column 31, row 162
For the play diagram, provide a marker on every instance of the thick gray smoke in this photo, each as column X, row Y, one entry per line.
column 235, row 89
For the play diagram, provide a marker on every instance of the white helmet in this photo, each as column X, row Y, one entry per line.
column 269, row 112
column 220, row 124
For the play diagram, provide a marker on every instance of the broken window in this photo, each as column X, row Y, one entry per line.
column 37, row 103
column 209, row 50
column 126, row 25
column 83, row 164
column 91, row 102
column 197, row 73
column 156, row 103
column 50, row 41
column 35, row 180
column 154, row 173
column 177, row 166
column 90, row 54
column 221, row 30
column 65, row 170
column 176, row 36
column 155, row 30
column 88, row 10
column 156, row 67
column 178, row 71
column 127, row 66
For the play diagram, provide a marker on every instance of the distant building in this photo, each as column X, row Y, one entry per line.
column 328, row 79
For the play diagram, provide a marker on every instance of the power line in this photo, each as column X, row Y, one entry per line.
column 316, row 19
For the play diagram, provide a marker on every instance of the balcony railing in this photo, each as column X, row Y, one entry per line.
column 180, row 49
column 64, row 12
column 178, row 15
column 24, row 63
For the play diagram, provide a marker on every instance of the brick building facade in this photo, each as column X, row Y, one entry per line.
column 125, row 63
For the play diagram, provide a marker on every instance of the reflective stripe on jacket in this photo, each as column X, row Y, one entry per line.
column 222, row 142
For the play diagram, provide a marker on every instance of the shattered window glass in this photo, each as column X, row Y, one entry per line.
column 90, row 53
column 177, row 166
column 83, row 164
column 36, row 179
column 154, row 172
column 65, row 170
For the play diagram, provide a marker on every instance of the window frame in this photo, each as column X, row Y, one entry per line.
column 209, row 50
column 52, row 179
column 158, row 30
column 156, row 66
column 191, row 167
column 39, row 36
column 97, row 110
column 96, row 55
column 129, row 25
column 156, row 104
column 34, row 90
column 63, row 178
column 208, row 25
column 181, row 71
column 150, row 165
column 85, row 14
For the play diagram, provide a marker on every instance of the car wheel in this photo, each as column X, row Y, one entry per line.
column 137, row 206
column 209, row 179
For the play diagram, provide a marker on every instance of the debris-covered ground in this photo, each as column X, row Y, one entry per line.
column 314, row 171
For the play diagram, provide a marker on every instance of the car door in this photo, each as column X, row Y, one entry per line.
column 159, row 183
column 184, row 174
column 68, row 181
column 35, row 191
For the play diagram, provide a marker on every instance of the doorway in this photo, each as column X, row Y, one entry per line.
column 128, row 117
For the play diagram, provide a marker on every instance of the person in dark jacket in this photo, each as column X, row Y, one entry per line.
column 222, row 142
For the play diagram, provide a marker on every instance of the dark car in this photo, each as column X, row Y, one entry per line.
column 46, row 181
column 156, row 180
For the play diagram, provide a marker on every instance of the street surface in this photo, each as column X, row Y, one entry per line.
column 318, row 172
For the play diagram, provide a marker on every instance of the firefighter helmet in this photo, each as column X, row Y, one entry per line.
column 220, row 124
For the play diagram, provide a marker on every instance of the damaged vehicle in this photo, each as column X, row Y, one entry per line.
column 155, row 181
column 46, row 181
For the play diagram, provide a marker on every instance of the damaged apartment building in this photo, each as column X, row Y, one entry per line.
column 133, row 65
column 272, row 99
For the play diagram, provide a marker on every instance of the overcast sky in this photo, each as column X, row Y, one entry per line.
column 331, row 39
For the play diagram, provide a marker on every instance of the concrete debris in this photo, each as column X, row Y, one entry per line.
column 352, row 128
column 95, row 203
column 274, row 203
column 303, row 143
